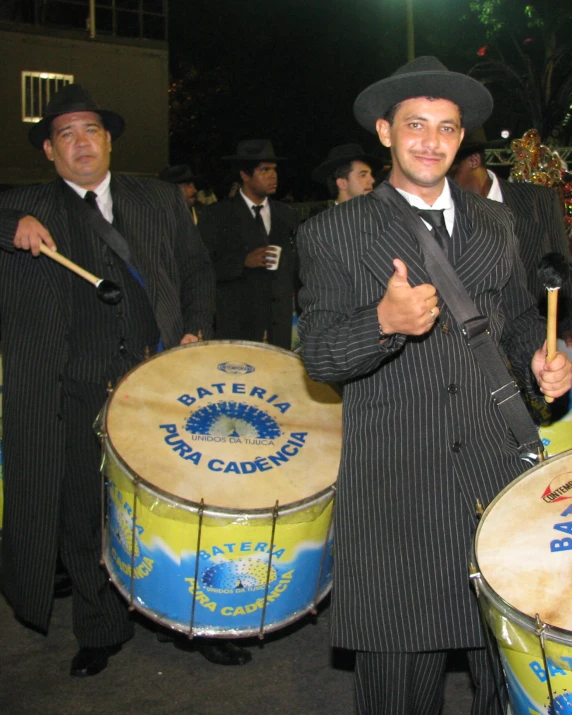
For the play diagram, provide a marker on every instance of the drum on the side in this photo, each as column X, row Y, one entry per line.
column 522, row 570
column 221, row 459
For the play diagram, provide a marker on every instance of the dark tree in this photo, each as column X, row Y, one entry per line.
column 527, row 61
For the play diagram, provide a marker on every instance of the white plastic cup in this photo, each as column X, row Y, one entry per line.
column 275, row 258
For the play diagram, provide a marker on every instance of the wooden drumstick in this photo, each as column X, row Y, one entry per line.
column 107, row 291
column 553, row 272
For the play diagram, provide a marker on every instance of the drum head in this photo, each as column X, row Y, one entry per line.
column 239, row 425
column 524, row 543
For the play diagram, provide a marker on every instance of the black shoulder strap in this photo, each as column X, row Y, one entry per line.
column 106, row 231
column 474, row 326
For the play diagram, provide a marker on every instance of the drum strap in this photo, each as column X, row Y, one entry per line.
column 475, row 328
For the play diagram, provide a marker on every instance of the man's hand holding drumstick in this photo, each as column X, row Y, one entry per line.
column 30, row 234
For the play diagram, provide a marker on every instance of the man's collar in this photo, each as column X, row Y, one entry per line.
column 250, row 203
column 443, row 201
column 495, row 192
column 99, row 190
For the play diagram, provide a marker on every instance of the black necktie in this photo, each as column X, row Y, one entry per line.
column 259, row 222
column 436, row 218
column 91, row 199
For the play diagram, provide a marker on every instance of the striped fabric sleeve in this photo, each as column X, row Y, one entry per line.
column 340, row 339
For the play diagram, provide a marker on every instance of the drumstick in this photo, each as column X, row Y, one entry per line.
column 553, row 272
column 107, row 291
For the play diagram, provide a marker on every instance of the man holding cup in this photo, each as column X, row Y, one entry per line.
column 251, row 242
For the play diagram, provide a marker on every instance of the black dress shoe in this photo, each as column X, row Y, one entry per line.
column 91, row 661
column 223, row 652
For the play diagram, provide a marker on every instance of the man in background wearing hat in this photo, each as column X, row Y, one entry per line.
column 539, row 222
column 252, row 302
column 423, row 441
column 182, row 175
column 62, row 346
column 347, row 172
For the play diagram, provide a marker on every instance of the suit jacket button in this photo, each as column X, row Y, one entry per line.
column 456, row 447
column 452, row 389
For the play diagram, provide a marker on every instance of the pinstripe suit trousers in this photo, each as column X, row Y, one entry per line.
column 100, row 616
column 413, row 683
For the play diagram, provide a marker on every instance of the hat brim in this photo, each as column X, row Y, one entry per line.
column 471, row 96
column 112, row 122
column 238, row 157
column 321, row 172
column 473, row 147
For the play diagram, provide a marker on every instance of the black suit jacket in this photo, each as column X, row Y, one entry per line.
column 540, row 229
column 422, row 439
column 251, row 301
column 35, row 315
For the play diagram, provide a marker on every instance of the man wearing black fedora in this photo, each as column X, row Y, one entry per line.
column 183, row 176
column 347, row 172
column 539, row 221
column 62, row 347
column 241, row 235
column 423, row 440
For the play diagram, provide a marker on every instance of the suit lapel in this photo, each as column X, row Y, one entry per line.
column 139, row 223
column 386, row 238
column 483, row 247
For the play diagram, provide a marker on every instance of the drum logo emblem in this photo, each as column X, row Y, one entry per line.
column 233, row 419
column 236, row 368
column 559, row 489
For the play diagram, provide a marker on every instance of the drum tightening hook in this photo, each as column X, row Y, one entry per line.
column 268, row 570
column 541, row 632
column 197, row 552
column 136, row 481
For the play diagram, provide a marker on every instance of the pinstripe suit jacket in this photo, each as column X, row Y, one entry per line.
column 422, row 440
column 250, row 301
column 539, row 226
column 35, row 316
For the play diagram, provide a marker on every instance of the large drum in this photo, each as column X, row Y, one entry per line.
column 220, row 460
column 523, row 575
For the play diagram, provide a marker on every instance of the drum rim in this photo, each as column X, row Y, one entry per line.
column 553, row 633
column 561, row 635
column 188, row 504
column 211, row 509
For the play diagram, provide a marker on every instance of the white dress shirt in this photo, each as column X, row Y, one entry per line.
column 265, row 213
column 444, row 201
column 104, row 200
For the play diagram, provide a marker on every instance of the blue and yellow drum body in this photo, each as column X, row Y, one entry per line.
column 523, row 574
column 220, row 460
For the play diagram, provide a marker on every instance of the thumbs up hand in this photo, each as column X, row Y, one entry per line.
column 405, row 309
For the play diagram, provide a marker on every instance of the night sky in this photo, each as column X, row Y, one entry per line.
column 289, row 70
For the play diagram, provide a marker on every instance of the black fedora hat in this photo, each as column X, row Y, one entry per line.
column 424, row 77
column 343, row 154
column 73, row 98
column 477, row 141
column 255, row 150
column 179, row 174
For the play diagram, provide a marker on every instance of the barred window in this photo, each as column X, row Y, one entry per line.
column 37, row 89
